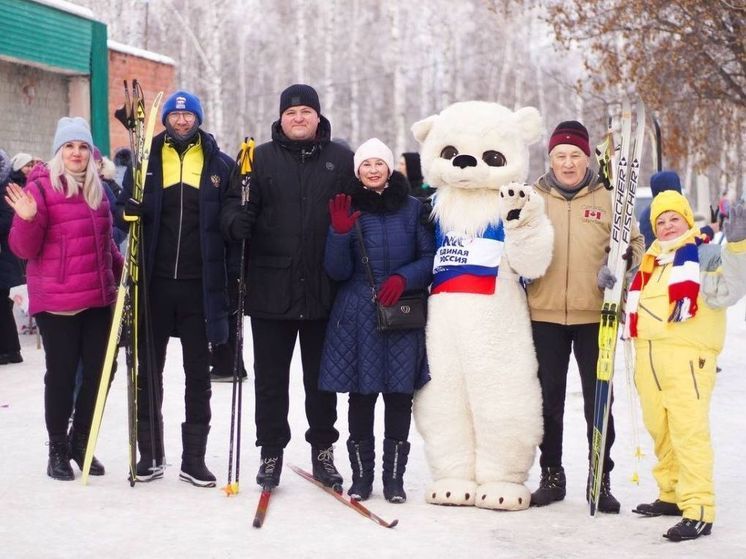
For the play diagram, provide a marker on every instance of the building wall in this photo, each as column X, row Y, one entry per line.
column 153, row 77
column 32, row 101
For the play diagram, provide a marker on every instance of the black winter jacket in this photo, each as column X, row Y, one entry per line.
column 291, row 185
column 213, row 188
column 11, row 269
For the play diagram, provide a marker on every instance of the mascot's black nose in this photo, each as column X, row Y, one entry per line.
column 464, row 161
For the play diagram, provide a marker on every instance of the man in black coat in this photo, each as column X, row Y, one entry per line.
column 11, row 273
column 185, row 263
column 288, row 293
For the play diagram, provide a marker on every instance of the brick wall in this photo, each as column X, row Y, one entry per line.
column 153, row 77
column 32, row 102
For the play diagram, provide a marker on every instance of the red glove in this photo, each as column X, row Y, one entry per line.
column 339, row 211
column 391, row 290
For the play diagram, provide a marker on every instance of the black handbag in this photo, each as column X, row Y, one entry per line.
column 408, row 313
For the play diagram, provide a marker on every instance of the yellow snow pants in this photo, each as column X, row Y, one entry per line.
column 675, row 384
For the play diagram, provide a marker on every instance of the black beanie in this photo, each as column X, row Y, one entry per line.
column 299, row 94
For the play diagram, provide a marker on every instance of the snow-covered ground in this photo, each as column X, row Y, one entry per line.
column 43, row 518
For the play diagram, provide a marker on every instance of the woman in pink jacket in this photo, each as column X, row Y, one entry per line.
column 63, row 227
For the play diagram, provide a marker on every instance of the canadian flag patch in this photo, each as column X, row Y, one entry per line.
column 595, row 214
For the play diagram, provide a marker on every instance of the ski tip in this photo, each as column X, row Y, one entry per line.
column 257, row 523
column 393, row 523
column 231, row 489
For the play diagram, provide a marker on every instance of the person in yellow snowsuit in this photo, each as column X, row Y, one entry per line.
column 676, row 316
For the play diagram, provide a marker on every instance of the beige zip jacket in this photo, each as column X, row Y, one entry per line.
column 567, row 293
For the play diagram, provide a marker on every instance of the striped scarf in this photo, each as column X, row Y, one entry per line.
column 683, row 282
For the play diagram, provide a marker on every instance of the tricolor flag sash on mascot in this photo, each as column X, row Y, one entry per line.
column 465, row 264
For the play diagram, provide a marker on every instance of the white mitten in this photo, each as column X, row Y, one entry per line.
column 519, row 204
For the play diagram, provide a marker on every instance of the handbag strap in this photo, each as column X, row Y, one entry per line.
column 365, row 260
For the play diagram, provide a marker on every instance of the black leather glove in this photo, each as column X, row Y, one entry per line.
column 241, row 226
column 133, row 210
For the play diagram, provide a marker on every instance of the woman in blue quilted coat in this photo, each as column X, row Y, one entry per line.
column 357, row 358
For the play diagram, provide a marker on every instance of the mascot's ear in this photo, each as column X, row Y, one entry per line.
column 422, row 128
column 529, row 124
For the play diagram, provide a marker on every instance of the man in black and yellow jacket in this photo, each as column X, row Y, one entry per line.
column 185, row 269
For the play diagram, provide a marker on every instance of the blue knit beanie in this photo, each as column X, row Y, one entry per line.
column 71, row 129
column 664, row 180
column 182, row 101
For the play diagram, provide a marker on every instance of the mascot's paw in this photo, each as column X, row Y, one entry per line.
column 501, row 495
column 449, row 491
column 519, row 204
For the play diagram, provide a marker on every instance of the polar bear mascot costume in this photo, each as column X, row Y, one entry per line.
column 480, row 415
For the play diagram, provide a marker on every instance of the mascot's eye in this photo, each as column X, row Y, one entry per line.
column 494, row 158
column 449, row 152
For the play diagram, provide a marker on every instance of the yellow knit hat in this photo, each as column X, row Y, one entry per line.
column 671, row 201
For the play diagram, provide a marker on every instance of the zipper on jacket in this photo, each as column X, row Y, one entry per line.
column 567, row 269
column 652, row 367
column 99, row 255
column 181, row 210
column 694, row 379
column 647, row 310
column 661, row 269
column 302, row 264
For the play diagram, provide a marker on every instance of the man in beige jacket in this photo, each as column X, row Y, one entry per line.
column 565, row 303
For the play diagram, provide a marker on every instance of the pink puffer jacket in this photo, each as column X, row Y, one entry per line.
column 73, row 262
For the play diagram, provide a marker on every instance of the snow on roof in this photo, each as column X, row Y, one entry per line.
column 69, row 7
column 142, row 53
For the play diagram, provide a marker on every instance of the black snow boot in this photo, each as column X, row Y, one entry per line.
column 606, row 501
column 552, row 486
column 194, row 443
column 323, row 467
column 78, row 444
column 270, row 468
column 395, row 455
column 362, row 460
column 688, row 529
column 658, row 508
column 152, row 460
column 58, row 466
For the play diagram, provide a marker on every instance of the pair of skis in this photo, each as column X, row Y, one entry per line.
column 357, row 506
column 624, row 176
column 126, row 308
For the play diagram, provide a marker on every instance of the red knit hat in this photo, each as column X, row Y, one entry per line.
column 573, row 133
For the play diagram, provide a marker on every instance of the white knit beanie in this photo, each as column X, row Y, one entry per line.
column 20, row 160
column 373, row 148
column 70, row 129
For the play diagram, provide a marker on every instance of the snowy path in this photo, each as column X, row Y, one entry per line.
column 43, row 518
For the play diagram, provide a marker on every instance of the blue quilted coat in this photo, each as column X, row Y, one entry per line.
column 357, row 358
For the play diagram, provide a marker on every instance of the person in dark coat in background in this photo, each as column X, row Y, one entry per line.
column 357, row 358
column 11, row 273
column 106, row 172
column 288, row 294
column 22, row 163
column 186, row 186
column 410, row 167
column 122, row 162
